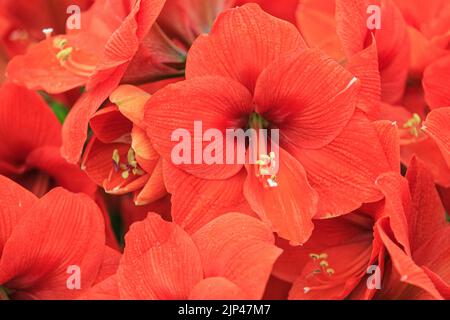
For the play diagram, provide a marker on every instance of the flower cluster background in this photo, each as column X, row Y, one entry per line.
column 224, row 149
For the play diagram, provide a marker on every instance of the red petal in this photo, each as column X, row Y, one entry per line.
column 217, row 288
column 160, row 261
column 308, row 96
column 239, row 248
column 26, row 123
column 428, row 214
column 109, row 125
column 131, row 101
column 40, row 69
column 404, row 264
column 348, row 165
column 389, row 138
column 216, row 109
column 288, row 207
column 317, row 24
column 243, row 42
column 62, row 230
column 437, row 127
column 64, row 174
column 15, row 203
column 436, row 83
column 195, row 201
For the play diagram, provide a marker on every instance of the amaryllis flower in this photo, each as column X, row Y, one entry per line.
column 428, row 25
column 96, row 56
column 64, row 233
column 31, row 139
column 341, row 27
column 119, row 157
column 23, row 21
column 231, row 257
column 418, row 267
column 328, row 149
column 394, row 240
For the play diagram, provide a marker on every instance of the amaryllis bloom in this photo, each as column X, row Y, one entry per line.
column 119, row 156
column 341, row 28
column 328, row 148
column 428, row 27
column 231, row 257
column 395, row 240
column 31, row 139
column 96, row 56
column 22, row 22
column 63, row 232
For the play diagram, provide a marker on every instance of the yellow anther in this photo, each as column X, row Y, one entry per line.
column 330, row 271
column 116, row 156
column 323, row 256
column 59, row 43
column 137, row 172
column 64, row 54
column 412, row 124
column 323, row 264
column 314, row 256
column 126, row 174
column 131, row 158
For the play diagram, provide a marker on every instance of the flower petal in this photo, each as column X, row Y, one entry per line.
column 239, row 248
column 209, row 107
column 308, row 96
column 62, row 230
column 243, row 42
column 160, row 261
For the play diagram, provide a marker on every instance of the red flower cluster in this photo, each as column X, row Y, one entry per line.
column 225, row 149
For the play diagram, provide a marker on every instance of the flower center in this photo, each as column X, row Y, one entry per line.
column 131, row 167
column 66, row 55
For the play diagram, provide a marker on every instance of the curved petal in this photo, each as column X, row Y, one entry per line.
column 217, row 288
column 288, row 207
column 64, row 174
column 160, row 261
column 195, row 201
column 15, row 203
column 26, row 123
column 348, row 165
column 63, row 230
column 437, row 127
column 239, row 248
column 242, row 43
column 308, row 96
column 436, row 83
column 191, row 108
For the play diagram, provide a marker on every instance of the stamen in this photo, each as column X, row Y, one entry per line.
column 64, row 54
column 330, row 271
column 59, row 43
column 413, row 124
column 324, row 264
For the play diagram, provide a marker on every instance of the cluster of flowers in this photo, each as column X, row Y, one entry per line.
column 92, row 205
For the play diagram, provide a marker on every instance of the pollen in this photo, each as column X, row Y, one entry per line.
column 266, row 167
column 413, row 124
column 127, row 169
column 64, row 54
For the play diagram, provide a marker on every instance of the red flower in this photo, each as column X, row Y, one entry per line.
column 268, row 73
column 31, row 138
column 408, row 226
column 23, row 21
column 62, row 230
column 231, row 257
column 119, row 156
